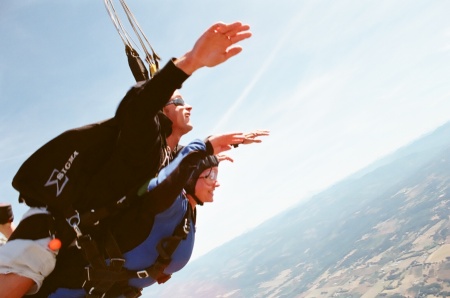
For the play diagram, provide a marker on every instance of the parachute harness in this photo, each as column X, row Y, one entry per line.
column 100, row 277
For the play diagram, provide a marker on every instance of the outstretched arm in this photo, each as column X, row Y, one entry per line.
column 224, row 142
column 139, row 107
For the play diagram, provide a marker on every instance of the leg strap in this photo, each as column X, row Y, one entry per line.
column 99, row 287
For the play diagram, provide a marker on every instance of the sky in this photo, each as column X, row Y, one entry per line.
column 339, row 84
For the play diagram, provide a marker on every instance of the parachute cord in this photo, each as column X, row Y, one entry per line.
column 117, row 23
column 151, row 59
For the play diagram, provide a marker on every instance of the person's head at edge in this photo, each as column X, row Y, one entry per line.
column 6, row 219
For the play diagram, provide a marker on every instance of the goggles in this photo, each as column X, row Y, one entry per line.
column 211, row 178
column 177, row 101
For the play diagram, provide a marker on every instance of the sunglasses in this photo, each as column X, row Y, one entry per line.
column 178, row 101
column 211, row 178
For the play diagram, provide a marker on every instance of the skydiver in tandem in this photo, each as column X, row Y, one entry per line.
column 22, row 273
column 154, row 238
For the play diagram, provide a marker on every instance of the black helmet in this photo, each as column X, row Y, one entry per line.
column 209, row 161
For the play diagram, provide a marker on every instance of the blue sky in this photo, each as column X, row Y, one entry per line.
column 339, row 84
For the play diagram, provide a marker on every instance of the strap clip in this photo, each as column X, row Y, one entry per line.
column 142, row 274
column 74, row 221
column 186, row 226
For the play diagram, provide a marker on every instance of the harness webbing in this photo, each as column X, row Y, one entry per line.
column 100, row 278
column 96, row 259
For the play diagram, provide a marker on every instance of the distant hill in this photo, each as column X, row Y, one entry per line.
column 382, row 232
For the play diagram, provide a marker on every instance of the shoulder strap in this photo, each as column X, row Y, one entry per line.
column 100, row 278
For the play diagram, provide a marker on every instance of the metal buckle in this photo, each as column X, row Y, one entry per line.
column 142, row 274
column 74, row 221
column 116, row 262
column 186, row 226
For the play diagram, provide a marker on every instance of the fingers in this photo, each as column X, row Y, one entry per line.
column 230, row 29
column 214, row 47
column 239, row 37
column 227, row 141
column 235, row 32
column 257, row 133
column 222, row 148
column 232, row 52
column 235, row 139
column 218, row 27
column 250, row 137
column 224, row 142
column 222, row 157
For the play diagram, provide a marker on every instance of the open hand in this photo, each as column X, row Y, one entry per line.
column 215, row 46
column 251, row 136
column 225, row 142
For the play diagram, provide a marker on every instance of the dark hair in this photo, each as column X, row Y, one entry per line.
column 209, row 161
column 6, row 214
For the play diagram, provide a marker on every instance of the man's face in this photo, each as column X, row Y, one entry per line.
column 179, row 113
